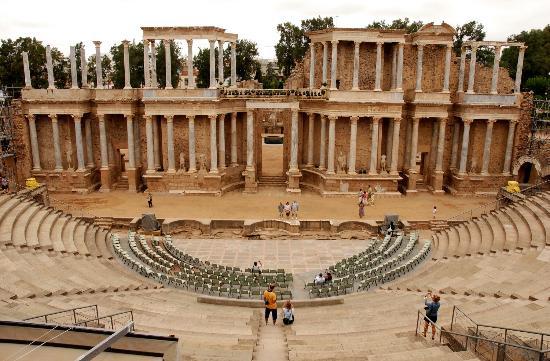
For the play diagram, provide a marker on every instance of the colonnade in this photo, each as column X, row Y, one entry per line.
column 420, row 68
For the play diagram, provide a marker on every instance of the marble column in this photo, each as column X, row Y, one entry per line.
column 127, row 85
column 331, row 143
column 156, row 143
column 78, row 141
column 89, row 145
column 49, row 67
column 190, row 77
column 74, row 76
column 250, row 140
column 325, row 62
column 374, row 146
column 433, row 146
column 220, row 62
column 34, row 143
column 154, row 78
column 221, row 141
column 414, row 144
column 355, row 85
column 352, row 144
column 83, row 68
column 487, row 146
column 56, row 144
column 509, row 147
column 465, row 145
column 234, row 161
column 234, row 64
column 170, row 143
column 472, row 74
column 168, row 64
column 131, row 142
column 103, row 142
column 98, row 65
column 380, row 136
column 334, row 65
column 150, row 144
column 454, row 148
column 461, row 69
column 399, row 80
column 146, row 64
column 496, row 67
column 213, row 144
column 389, row 143
column 192, row 156
column 293, row 164
column 322, row 143
column 408, row 138
column 519, row 69
column 440, row 145
column 312, row 65
column 310, row 128
column 419, row 60
column 447, row 68
column 212, row 67
column 137, row 143
column 27, row 70
column 395, row 146
column 378, row 78
column 393, row 67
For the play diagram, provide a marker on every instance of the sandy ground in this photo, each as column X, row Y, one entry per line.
column 272, row 159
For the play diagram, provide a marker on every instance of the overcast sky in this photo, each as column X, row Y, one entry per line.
column 62, row 23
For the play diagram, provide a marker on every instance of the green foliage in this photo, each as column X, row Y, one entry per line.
column 271, row 79
column 540, row 85
column 106, row 70
column 293, row 42
column 473, row 31
column 201, row 61
column 401, row 24
column 175, row 61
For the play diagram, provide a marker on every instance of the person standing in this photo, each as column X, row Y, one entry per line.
column 431, row 303
column 295, row 208
column 150, row 200
column 434, row 211
column 270, row 302
column 287, row 209
column 281, row 209
column 361, row 207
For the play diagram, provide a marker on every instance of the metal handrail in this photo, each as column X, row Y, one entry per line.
column 85, row 322
column 45, row 316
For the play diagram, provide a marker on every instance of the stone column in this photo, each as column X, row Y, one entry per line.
column 56, row 145
column 150, row 144
column 168, row 65
column 234, row 64
column 137, row 147
column 472, row 74
column 433, row 147
column 408, row 138
column 355, row 85
column 312, row 65
column 192, row 157
column 496, row 67
column 509, row 146
column 454, row 149
column 49, row 68
column 461, row 69
column 78, row 141
column 127, row 85
column 220, row 62
column 399, row 80
column 156, row 143
column 465, row 145
column 419, row 59
column 234, row 161
column 331, row 143
column 322, row 158
column 352, row 144
column 74, row 76
column 221, row 141
column 250, row 140
column 447, row 68
column 414, row 144
column 325, row 61
column 98, row 65
column 393, row 67
column 440, row 145
column 146, row 64
column 26, row 70
column 154, row 79
column 293, row 164
column 131, row 143
column 103, row 142
column 170, row 143
column 380, row 135
column 34, row 143
column 519, row 69
column 374, row 146
column 190, row 77
column 334, row 65
column 213, row 145
column 89, row 145
column 389, row 143
column 487, row 146
column 83, row 68
column 395, row 146
column 378, row 79
column 310, row 128
column 212, row 64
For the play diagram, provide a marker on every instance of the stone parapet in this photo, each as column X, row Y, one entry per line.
column 366, row 96
column 490, row 99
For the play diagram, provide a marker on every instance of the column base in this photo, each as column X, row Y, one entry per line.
column 293, row 181
column 150, row 171
column 437, row 182
column 250, row 183
column 352, row 172
column 134, row 182
column 105, row 180
column 411, row 184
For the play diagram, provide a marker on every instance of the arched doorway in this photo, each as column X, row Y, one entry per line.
column 528, row 174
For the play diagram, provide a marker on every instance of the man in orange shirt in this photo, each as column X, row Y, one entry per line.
column 270, row 301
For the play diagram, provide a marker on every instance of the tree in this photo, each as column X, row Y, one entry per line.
column 400, row 24
column 293, row 42
column 201, row 61
column 473, row 31
column 270, row 79
column 106, row 70
column 246, row 54
column 175, row 61
column 135, row 57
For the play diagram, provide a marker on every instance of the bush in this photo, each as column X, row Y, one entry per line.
column 540, row 85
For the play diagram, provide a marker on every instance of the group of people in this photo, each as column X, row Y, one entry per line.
column 288, row 210
column 270, row 302
column 366, row 198
column 321, row 278
column 4, row 184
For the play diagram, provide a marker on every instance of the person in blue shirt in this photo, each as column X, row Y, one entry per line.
column 431, row 303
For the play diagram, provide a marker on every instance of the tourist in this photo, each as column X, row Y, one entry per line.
column 328, row 276
column 319, row 279
column 294, row 209
column 287, row 209
column 434, row 211
column 257, row 267
column 4, row 184
column 288, row 313
column 270, row 302
column 150, row 200
column 281, row 209
column 390, row 229
column 431, row 307
column 361, row 207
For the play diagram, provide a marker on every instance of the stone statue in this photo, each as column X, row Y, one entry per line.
column 341, row 163
column 383, row 164
column 473, row 166
column 70, row 159
column 182, row 163
column 202, row 163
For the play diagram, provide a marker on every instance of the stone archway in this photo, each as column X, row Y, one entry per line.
column 527, row 169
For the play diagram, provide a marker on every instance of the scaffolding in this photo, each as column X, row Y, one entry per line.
column 7, row 147
column 539, row 139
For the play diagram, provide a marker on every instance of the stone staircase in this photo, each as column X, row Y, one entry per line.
column 122, row 183
column 271, row 343
column 272, row 181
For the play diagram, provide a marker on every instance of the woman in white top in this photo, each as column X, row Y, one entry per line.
column 288, row 313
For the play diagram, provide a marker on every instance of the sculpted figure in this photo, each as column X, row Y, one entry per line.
column 202, row 163
column 70, row 158
column 341, row 162
column 182, row 163
column 383, row 164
